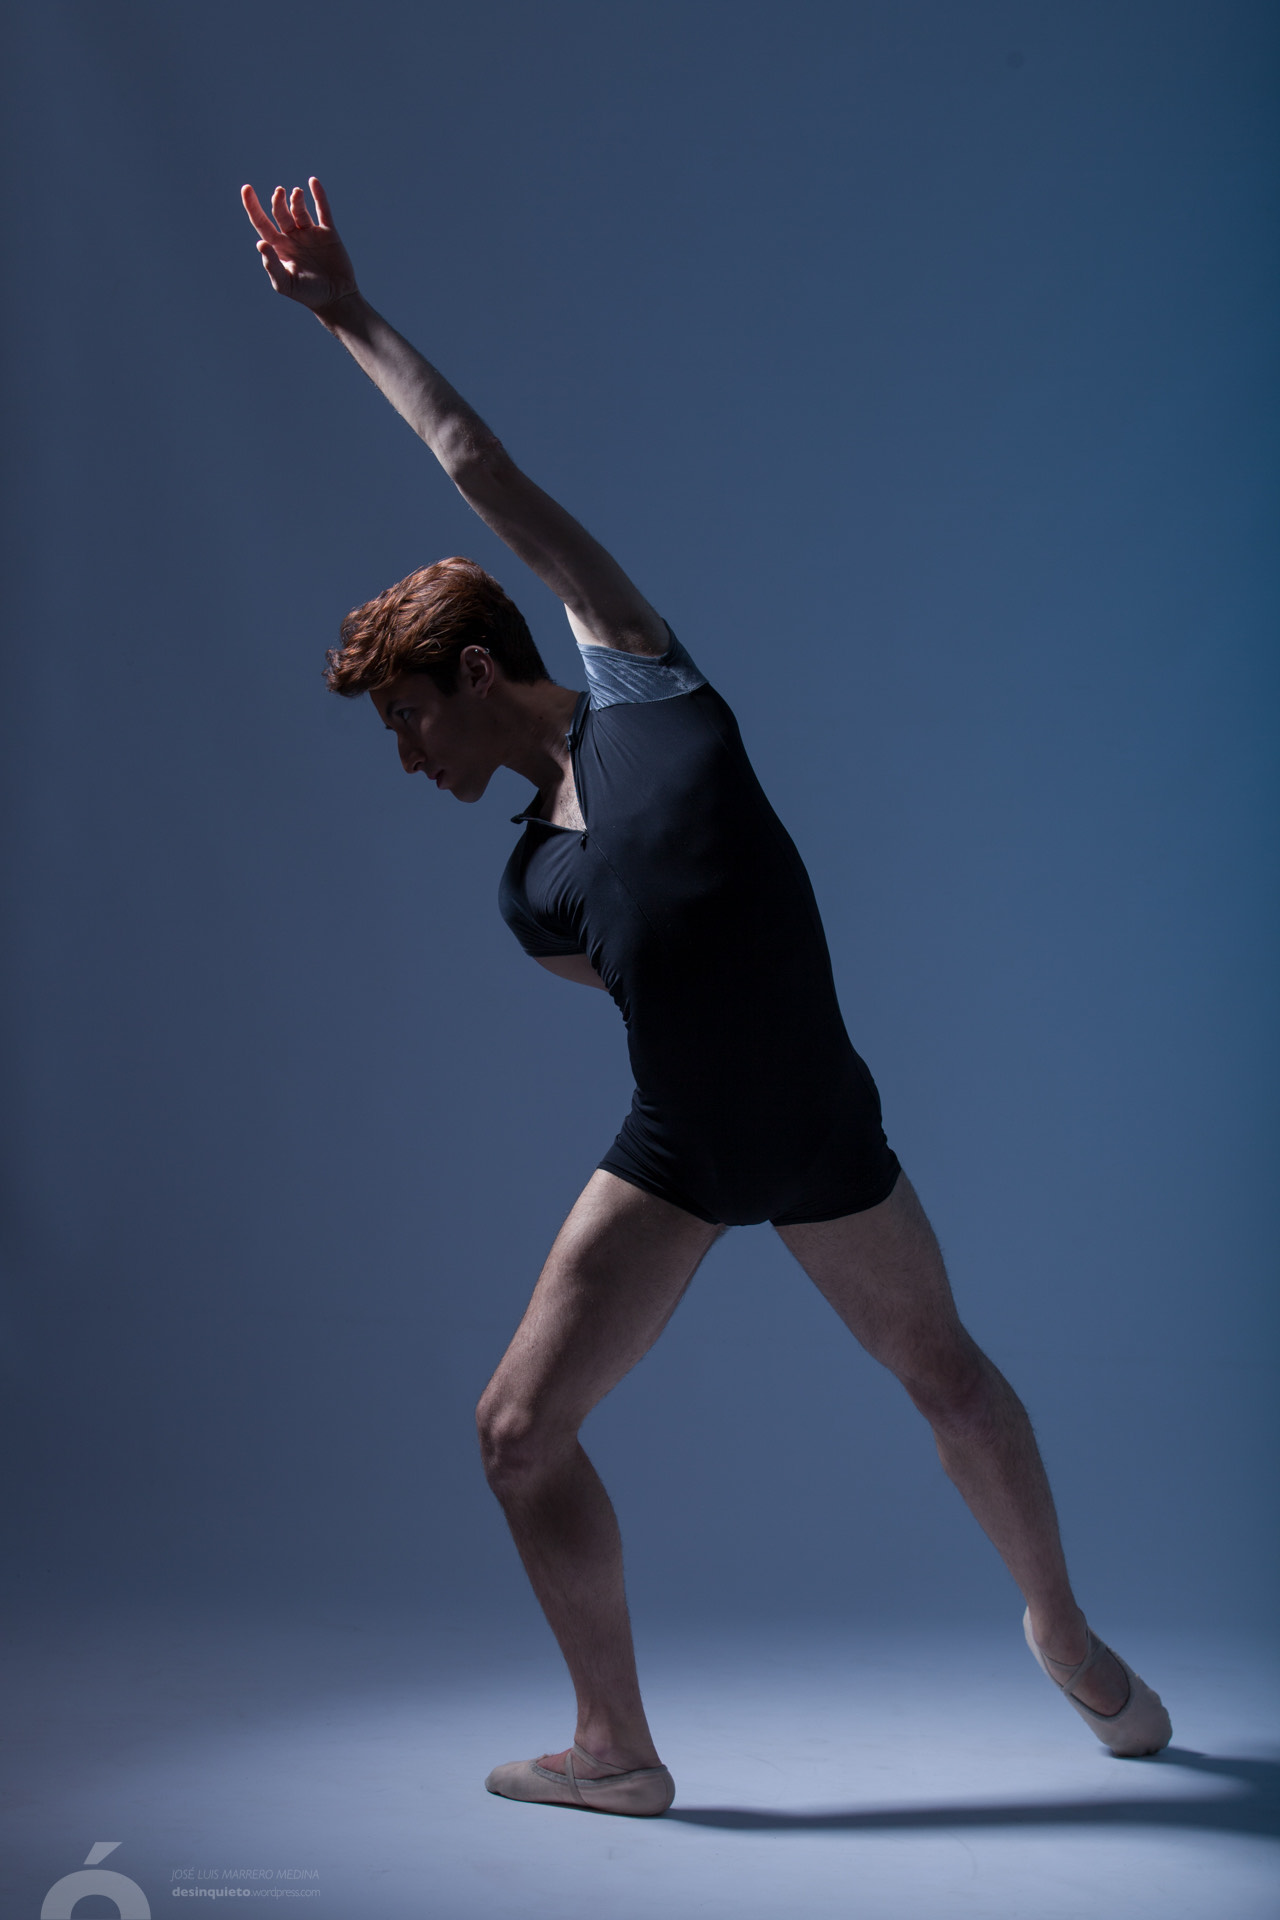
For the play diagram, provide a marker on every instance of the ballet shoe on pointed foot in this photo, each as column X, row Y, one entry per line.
column 1142, row 1726
column 643, row 1791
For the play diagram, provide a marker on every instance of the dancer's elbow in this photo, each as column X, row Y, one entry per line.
column 476, row 460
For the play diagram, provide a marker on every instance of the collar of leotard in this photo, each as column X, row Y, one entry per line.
column 538, row 819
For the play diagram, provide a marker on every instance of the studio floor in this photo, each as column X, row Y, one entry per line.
column 336, row 1766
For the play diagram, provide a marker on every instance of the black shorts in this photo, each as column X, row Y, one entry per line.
column 733, row 1184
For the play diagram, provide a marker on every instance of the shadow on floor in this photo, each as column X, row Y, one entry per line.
column 1254, row 1809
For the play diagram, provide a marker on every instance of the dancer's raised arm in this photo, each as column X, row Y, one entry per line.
column 306, row 261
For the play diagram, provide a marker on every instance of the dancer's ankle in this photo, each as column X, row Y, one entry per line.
column 1062, row 1636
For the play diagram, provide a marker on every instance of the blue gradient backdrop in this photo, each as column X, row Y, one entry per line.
column 918, row 361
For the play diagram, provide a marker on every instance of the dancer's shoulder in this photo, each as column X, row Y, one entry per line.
column 618, row 679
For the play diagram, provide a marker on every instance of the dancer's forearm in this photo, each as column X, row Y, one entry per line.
column 420, row 394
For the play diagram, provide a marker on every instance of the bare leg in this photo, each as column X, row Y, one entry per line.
column 611, row 1282
column 883, row 1273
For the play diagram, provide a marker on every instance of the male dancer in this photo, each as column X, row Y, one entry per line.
column 652, row 866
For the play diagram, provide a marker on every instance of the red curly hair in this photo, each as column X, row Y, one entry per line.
column 422, row 624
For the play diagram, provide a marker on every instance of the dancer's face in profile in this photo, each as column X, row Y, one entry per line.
column 450, row 737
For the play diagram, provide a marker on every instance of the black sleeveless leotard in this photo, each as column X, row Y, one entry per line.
column 689, row 898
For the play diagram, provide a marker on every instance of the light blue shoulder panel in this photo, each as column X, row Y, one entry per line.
column 615, row 678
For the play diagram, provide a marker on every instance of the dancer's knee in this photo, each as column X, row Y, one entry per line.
column 516, row 1447
column 951, row 1385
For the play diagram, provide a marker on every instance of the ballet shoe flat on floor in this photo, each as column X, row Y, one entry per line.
column 1142, row 1726
column 644, row 1791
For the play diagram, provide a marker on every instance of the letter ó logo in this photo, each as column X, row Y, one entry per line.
column 129, row 1899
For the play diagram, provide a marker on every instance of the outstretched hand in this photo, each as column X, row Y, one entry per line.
column 304, row 258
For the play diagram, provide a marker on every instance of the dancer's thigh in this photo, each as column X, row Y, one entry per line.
column 882, row 1271
column 612, row 1280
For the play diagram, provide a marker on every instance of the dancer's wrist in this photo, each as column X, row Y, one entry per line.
column 344, row 312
